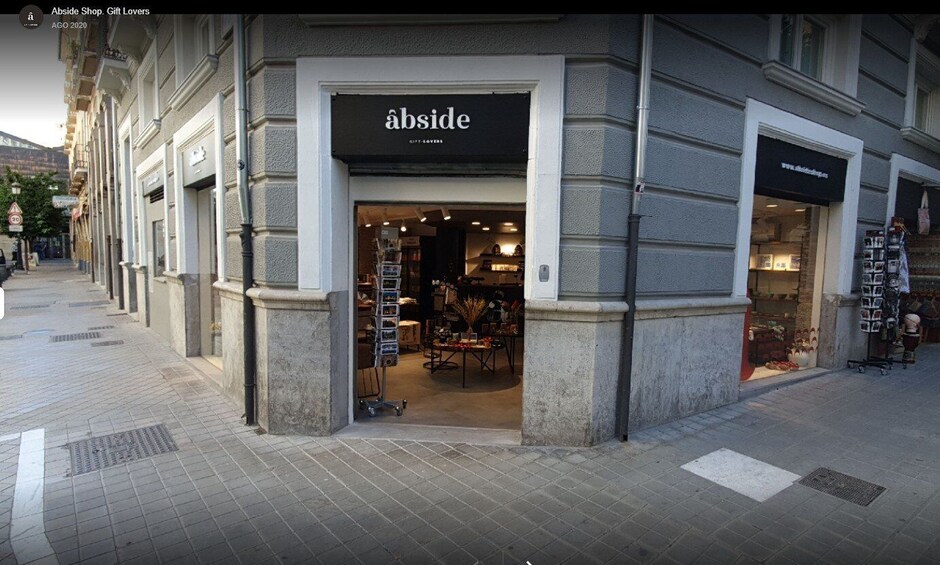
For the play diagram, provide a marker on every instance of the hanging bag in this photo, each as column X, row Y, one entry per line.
column 923, row 215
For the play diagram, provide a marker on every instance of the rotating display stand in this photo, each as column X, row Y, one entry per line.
column 880, row 295
column 383, row 330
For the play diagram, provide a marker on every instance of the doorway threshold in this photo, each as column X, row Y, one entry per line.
column 421, row 432
column 757, row 387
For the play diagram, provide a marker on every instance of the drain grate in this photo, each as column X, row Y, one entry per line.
column 29, row 307
column 123, row 447
column 88, row 303
column 100, row 327
column 74, row 337
column 118, row 314
column 9, row 337
column 842, row 486
column 107, row 343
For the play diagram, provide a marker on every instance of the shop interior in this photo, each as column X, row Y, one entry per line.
column 783, row 287
column 458, row 264
column 923, row 254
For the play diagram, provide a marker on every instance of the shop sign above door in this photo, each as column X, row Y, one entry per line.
column 474, row 128
column 791, row 172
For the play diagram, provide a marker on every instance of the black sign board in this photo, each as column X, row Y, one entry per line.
column 907, row 203
column 791, row 172
column 433, row 128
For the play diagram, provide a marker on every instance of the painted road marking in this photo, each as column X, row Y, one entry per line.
column 10, row 437
column 27, row 528
column 742, row 474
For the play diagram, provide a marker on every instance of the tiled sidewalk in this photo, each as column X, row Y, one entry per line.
column 231, row 495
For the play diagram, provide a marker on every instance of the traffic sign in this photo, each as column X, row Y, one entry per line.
column 15, row 219
column 15, row 227
column 15, row 209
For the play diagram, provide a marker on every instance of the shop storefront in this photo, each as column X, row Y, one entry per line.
column 153, row 301
column 497, row 147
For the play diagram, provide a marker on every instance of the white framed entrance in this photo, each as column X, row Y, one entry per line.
column 836, row 256
column 322, row 181
column 446, row 191
column 325, row 204
column 910, row 169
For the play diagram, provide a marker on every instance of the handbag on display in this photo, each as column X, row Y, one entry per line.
column 923, row 215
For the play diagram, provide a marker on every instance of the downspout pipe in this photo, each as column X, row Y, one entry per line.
column 633, row 227
column 244, row 201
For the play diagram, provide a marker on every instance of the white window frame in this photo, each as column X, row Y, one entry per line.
column 929, row 135
column 838, row 82
column 149, row 123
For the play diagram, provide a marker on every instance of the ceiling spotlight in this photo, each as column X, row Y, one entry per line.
column 800, row 210
column 368, row 224
column 384, row 216
column 771, row 205
column 445, row 212
column 513, row 229
column 475, row 223
column 507, row 224
column 403, row 228
column 420, row 215
column 486, row 228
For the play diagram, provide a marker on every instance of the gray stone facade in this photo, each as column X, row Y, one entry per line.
column 689, row 328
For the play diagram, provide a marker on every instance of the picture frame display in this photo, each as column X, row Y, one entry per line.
column 794, row 264
column 765, row 262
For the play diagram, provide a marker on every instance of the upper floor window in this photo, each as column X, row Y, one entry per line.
column 817, row 55
column 922, row 111
column 148, row 99
column 803, row 43
column 194, row 41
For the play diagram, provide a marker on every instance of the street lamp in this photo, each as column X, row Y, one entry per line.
column 16, row 187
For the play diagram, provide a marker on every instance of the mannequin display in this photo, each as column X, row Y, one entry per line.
column 911, row 337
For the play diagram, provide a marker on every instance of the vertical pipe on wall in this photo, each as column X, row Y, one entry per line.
column 116, row 214
column 633, row 228
column 241, row 146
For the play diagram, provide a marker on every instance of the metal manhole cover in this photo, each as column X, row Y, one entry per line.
column 842, row 486
column 29, row 307
column 74, row 337
column 106, row 343
column 101, row 452
column 8, row 337
column 100, row 327
column 88, row 303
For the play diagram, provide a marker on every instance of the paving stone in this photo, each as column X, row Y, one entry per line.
column 229, row 493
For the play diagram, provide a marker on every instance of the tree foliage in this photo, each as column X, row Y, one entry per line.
column 40, row 219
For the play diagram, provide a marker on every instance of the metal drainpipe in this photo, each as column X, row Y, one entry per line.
column 633, row 228
column 241, row 142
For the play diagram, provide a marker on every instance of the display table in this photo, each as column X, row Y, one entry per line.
column 482, row 352
column 508, row 341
